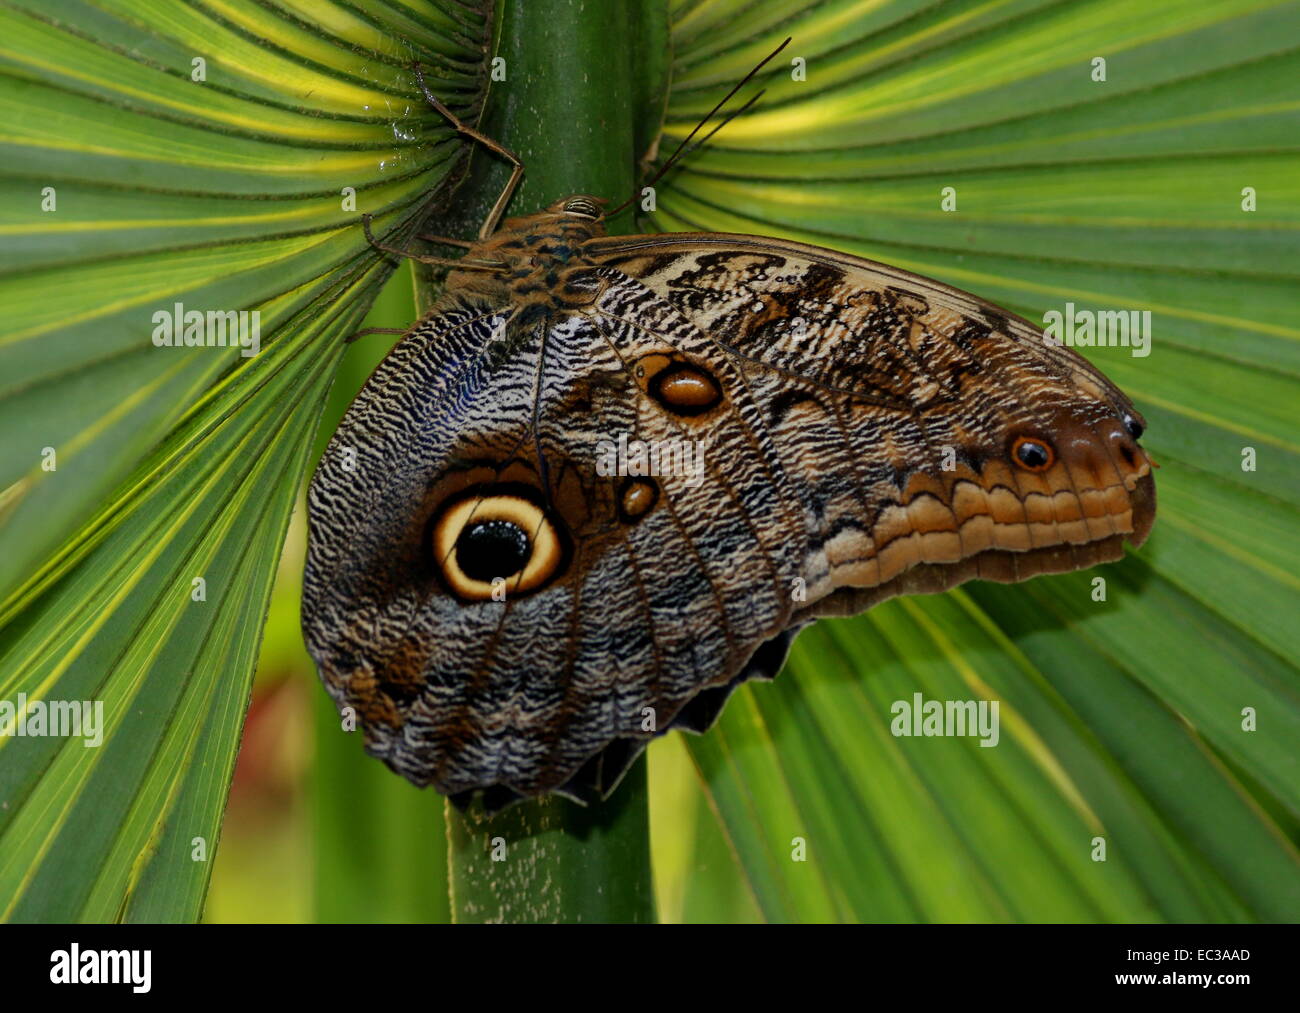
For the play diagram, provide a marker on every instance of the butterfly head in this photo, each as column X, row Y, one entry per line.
column 581, row 206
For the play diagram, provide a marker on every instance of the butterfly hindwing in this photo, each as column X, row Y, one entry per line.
column 649, row 605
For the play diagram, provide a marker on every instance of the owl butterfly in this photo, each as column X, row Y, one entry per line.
column 508, row 616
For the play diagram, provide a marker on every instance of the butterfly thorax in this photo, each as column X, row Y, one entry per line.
column 540, row 256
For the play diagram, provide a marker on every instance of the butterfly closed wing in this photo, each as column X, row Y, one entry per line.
column 512, row 605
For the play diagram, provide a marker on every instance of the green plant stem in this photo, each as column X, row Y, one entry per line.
column 577, row 106
column 554, row 861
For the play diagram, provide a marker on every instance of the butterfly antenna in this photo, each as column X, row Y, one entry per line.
column 681, row 148
column 705, row 139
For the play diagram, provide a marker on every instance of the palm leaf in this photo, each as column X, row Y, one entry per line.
column 1122, row 719
column 175, row 463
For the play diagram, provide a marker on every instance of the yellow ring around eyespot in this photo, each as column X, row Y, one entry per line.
column 1046, row 447
column 545, row 555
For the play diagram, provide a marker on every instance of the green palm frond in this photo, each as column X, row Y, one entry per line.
column 1122, row 719
column 194, row 156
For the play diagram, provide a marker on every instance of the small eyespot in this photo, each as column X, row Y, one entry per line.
column 1134, row 427
column 493, row 534
column 1033, row 454
column 636, row 497
column 584, row 206
column 685, row 389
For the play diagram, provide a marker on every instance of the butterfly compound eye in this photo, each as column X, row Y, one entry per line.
column 493, row 540
column 584, row 206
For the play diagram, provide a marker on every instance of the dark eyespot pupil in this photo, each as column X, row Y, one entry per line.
column 486, row 550
column 1133, row 426
column 1032, row 455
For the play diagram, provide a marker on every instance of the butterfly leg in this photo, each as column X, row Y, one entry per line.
column 494, row 216
column 373, row 330
column 446, row 241
column 463, row 264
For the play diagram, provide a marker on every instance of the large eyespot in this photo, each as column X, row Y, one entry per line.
column 584, row 206
column 495, row 534
column 1133, row 425
column 1033, row 454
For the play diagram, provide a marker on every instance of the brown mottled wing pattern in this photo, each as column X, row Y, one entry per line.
column 858, row 424
column 893, row 404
